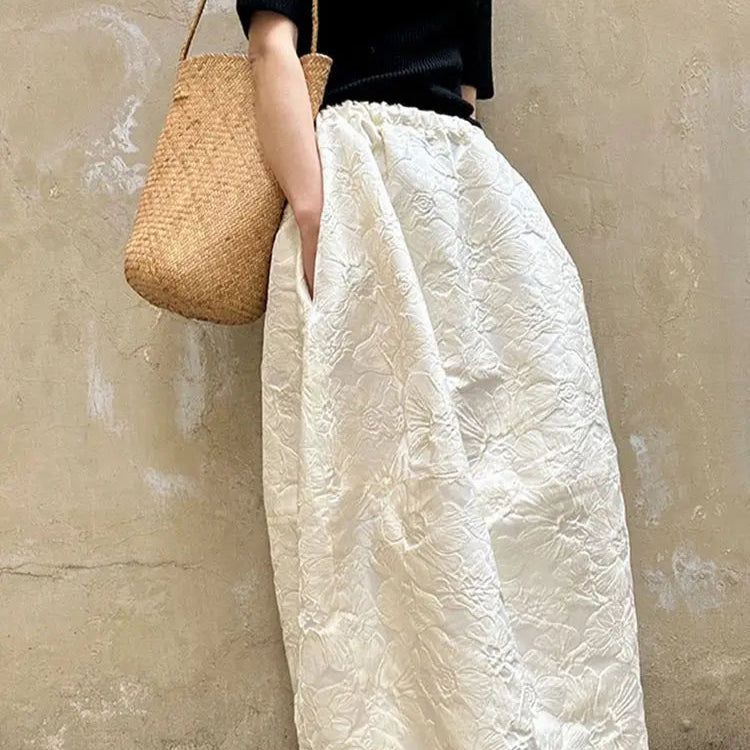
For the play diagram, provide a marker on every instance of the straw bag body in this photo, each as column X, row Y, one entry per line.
column 208, row 213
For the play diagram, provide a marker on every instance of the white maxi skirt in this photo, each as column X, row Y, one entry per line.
column 448, row 535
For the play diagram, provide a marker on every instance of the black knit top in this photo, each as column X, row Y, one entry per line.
column 411, row 52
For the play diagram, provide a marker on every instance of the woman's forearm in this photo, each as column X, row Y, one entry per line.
column 283, row 116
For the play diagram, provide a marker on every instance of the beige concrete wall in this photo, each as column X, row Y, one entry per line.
column 136, row 590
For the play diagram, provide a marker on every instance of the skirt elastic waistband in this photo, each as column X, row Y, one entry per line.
column 401, row 114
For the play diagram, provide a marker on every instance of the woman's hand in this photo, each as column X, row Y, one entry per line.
column 309, row 230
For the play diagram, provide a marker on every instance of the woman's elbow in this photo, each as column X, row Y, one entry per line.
column 271, row 35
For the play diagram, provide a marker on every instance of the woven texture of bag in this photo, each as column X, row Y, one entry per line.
column 208, row 213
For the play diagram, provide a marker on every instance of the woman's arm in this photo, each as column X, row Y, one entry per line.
column 469, row 93
column 476, row 51
column 285, row 124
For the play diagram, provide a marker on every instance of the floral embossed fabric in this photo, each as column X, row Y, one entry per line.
column 448, row 535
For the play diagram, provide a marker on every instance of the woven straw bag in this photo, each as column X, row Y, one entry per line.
column 208, row 213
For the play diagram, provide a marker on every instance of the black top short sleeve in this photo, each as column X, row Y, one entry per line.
column 415, row 53
column 296, row 10
column 476, row 48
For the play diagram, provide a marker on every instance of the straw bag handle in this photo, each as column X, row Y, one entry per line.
column 199, row 12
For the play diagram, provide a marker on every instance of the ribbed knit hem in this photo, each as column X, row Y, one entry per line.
column 423, row 119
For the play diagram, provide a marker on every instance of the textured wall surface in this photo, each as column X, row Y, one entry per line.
column 135, row 580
